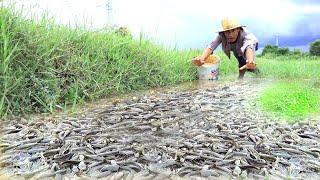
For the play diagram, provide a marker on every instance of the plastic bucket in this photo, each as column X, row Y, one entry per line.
column 208, row 71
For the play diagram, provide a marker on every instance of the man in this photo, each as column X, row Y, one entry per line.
column 237, row 39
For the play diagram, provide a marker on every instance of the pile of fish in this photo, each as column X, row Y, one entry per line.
column 203, row 133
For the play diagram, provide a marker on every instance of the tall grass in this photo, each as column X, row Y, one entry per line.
column 45, row 66
column 290, row 67
column 277, row 67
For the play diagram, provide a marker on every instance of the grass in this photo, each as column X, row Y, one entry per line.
column 292, row 99
column 297, row 95
column 290, row 67
column 45, row 66
column 280, row 67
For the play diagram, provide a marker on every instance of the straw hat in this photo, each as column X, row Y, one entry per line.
column 229, row 23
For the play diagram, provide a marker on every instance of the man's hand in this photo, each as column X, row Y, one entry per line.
column 249, row 65
column 198, row 61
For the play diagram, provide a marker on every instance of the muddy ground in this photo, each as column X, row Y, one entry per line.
column 207, row 132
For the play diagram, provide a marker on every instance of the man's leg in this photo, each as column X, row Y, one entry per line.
column 241, row 74
column 241, row 62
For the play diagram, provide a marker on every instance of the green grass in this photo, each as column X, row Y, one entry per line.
column 281, row 67
column 292, row 99
column 44, row 66
column 297, row 96
column 290, row 67
column 278, row 67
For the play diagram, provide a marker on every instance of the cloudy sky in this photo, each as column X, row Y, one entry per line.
column 192, row 24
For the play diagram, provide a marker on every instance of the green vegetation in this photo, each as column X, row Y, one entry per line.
column 44, row 66
column 294, row 100
column 291, row 99
column 277, row 67
column 315, row 48
column 271, row 50
column 287, row 67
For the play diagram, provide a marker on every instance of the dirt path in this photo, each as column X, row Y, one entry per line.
column 203, row 133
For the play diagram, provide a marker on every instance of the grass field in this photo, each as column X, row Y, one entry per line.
column 292, row 99
column 295, row 93
column 45, row 67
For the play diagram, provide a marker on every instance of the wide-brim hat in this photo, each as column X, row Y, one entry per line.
column 229, row 24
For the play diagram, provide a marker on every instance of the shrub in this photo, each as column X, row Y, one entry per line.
column 283, row 51
column 269, row 49
column 297, row 52
column 277, row 51
column 315, row 48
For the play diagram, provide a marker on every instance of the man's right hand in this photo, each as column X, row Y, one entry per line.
column 248, row 66
column 198, row 61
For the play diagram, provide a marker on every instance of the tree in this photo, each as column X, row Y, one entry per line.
column 270, row 49
column 275, row 50
column 315, row 48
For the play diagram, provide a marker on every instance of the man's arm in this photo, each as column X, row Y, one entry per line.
column 209, row 50
column 248, row 49
column 249, row 55
column 206, row 53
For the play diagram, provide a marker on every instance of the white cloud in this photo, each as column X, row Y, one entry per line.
column 152, row 16
column 308, row 9
column 166, row 19
column 67, row 11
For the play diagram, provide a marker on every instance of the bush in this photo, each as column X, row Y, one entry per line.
column 315, row 48
column 297, row 52
column 271, row 49
column 283, row 51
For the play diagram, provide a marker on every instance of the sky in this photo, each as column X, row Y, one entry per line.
column 191, row 24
